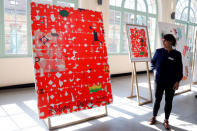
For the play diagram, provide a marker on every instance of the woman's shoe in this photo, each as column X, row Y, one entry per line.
column 152, row 121
column 166, row 124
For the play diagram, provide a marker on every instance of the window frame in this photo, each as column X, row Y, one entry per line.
column 1, row 27
column 187, row 23
column 28, row 33
column 135, row 12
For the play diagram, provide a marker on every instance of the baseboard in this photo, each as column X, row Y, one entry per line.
column 119, row 75
column 18, row 86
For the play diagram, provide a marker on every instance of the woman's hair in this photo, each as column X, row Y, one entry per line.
column 171, row 38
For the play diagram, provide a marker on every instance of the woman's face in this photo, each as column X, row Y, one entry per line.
column 167, row 44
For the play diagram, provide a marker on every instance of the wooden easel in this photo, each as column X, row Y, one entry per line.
column 48, row 121
column 134, row 76
column 193, row 64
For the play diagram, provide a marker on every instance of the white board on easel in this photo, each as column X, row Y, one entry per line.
column 182, row 46
column 195, row 62
column 195, row 70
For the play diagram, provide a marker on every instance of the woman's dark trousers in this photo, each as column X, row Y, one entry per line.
column 169, row 94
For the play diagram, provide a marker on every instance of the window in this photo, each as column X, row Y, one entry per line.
column 128, row 4
column 114, row 37
column 186, row 16
column 15, row 25
column 128, row 18
column 141, row 6
column 15, row 29
column 122, row 12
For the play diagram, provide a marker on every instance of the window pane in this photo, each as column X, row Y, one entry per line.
column 141, row 6
column 129, row 4
column 9, row 9
column 151, row 6
column 15, row 47
column 128, row 19
column 184, row 15
column 114, row 17
column 141, row 20
column 114, row 32
column 116, row 3
column 15, row 26
column 65, row 4
column 192, row 17
column 182, row 10
column 151, row 32
column 114, row 39
column 193, row 11
column 43, row 1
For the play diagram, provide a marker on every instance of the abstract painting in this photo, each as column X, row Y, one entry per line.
column 70, row 59
column 138, row 43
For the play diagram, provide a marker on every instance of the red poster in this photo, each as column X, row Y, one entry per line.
column 70, row 59
column 138, row 43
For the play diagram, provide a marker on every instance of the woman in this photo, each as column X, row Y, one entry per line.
column 167, row 62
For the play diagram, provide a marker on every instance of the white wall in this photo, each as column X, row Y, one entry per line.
column 20, row 70
column 166, row 7
column 15, row 71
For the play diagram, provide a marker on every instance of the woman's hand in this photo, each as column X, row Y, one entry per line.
column 176, row 86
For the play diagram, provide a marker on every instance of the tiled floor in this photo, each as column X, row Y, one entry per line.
column 18, row 111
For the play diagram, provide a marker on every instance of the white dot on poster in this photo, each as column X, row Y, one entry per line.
column 50, row 82
column 60, row 83
column 58, row 75
column 42, row 114
column 52, row 96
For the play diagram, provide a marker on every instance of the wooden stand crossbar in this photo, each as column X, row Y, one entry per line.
column 50, row 127
column 178, row 93
column 195, row 83
column 134, row 76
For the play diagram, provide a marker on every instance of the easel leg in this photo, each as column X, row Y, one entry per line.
column 149, row 83
column 136, row 83
column 132, row 78
column 106, row 111
column 49, row 123
column 132, row 81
